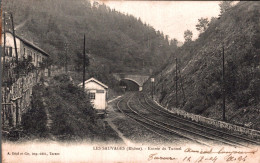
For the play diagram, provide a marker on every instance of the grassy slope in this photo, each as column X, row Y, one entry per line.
column 200, row 64
column 71, row 117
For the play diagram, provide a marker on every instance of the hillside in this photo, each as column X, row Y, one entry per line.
column 200, row 69
column 58, row 26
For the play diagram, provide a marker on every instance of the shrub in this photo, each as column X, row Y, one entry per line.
column 34, row 121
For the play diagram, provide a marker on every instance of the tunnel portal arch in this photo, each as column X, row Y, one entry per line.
column 139, row 79
column 130, row 84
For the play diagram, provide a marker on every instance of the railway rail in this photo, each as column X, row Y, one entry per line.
column 140, row 122
column 172, row 127
column 187, row 129
column 218, row 133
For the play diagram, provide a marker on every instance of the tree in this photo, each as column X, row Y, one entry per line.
column 213, row 20
column 188, row 35
column 174, row 42
column 202, row 24
column 95, row 4
column 224, row 6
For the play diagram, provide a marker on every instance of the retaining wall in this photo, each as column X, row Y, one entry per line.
column 218, row 124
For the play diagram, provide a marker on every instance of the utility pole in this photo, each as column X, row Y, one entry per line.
column 152, row 81
column 23, row 54
column 223, row 84
column 3, row 72
column 66, row 60
column 15, row 47
column 162, row 82
column 5, row 108
column 143, row 64
column 148, row 41
column 153, row 88
column 66, row 63
column 176, row 80
column 184, row 99
column 17, row 70
column 84, row 64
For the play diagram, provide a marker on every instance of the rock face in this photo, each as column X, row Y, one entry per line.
column 199, row 67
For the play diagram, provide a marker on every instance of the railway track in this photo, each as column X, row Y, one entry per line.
column 172, row 127
column 154, row 125
column 211, row 133
column 139, row 121
column 186, row 129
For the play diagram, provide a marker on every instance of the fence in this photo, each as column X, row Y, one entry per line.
column 16, row 99
column 218, row 124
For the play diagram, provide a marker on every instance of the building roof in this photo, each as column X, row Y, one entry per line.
column 28, row 43
column 96, row 81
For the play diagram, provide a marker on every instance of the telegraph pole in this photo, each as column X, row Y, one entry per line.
column 17, row 70
column 15, row 47
column 23, row 54
column 84, row 64
column 66, row 60
column 152, row 81
column 176, row 80
column 162, row 82
column 3, row 74
column 223, row 84
column 223, row 78
column 184, row 99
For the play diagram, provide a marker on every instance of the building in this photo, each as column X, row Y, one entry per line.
column 17, row 86
column 97, row 93
column 25, row 49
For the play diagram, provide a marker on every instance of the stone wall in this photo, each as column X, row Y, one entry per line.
column 212, row 122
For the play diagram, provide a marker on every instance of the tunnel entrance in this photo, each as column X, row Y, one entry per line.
column 129, row 85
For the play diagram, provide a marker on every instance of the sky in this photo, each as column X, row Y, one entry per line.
column 170, row 17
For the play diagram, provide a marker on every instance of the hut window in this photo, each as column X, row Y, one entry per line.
column 100, row 91
column 10, row 51
column 92, row 96
column 37, row 60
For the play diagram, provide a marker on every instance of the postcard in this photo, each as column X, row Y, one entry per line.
column 130, row 81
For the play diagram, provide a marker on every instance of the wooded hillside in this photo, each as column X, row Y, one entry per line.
column 199, row 65
column 123, row 42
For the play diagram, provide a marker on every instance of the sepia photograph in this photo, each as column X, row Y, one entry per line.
column 130, row 81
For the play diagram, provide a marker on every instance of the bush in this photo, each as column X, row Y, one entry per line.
column 163, row 94
column 72, row 114
column 242, row 98
column 34, row 121
column 255, row 89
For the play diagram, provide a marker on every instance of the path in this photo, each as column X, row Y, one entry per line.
column 111, row 116
column 49, row 121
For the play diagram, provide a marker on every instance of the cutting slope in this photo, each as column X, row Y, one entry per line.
column 200, row 69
